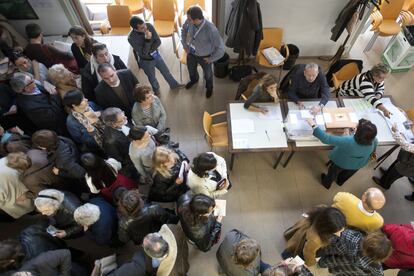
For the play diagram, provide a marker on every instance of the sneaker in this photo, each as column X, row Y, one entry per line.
column 327, row 186
column 190, row 84
column 209, row 92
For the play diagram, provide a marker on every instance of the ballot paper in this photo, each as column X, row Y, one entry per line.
column 220, row 209
column 242, row 126
column 293, row 118
column 319, row 120
column 305, row 114
column 353, row 117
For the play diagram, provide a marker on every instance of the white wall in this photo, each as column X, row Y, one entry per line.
column 51, row 15
column 306, row 23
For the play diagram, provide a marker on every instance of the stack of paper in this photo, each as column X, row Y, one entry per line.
column 273, row 56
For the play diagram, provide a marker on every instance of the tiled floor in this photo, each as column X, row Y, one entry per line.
column 264, row 202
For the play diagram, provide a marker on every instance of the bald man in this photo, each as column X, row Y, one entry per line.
column 361, row 213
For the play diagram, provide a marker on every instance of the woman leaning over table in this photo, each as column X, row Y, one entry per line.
column 350, row 152
column 264, row 92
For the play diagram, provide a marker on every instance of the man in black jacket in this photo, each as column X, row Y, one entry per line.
column 115, row 140
column 43, row 109
column 145, row 41
column 63, row 154
column 116, row 88
column 90, row 77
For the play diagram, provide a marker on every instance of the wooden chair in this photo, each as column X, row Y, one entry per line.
column 347, row 72
column 182, row 57
column 165, row 18
column 182, row 15
column 385, row 21
column 272, row 37
column 215, row 134
column 135, row 6
column 410, row 115
column 406, row 15
column 118, row 16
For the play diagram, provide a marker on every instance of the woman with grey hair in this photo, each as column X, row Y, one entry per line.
column 59, row 207
column 99, row 221
column 368, row 85
column 63, row 79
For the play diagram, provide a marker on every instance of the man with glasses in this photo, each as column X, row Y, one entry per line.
column 163, row 253
column 115, row 139
column 40, row 107
column 145, row 42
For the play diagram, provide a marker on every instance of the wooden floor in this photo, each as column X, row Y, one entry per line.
column 264, row 202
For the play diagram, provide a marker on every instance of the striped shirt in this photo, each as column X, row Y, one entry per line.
column 147, row 111
column 362, row 86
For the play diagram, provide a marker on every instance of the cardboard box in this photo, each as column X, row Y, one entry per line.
column 339, row 118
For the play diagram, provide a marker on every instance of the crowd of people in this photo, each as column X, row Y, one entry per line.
column 87, row 146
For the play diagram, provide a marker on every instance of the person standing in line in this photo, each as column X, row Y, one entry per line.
column 145, row 41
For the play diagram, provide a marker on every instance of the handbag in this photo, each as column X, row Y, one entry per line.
column 105, row 266
column 238, row 72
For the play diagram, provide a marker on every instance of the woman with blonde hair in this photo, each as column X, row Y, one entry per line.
column 265, row 91
column 63, row 79
column 170, row 170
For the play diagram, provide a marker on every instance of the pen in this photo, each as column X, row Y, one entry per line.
column 268, row 138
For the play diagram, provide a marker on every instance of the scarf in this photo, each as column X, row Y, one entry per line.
column 94, row 65
column 98, row 126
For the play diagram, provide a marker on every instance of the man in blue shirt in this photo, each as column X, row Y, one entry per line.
column 203, row 45
column 309, row 83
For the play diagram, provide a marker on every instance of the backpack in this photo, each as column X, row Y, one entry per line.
column 238, row 72
column 287, row 82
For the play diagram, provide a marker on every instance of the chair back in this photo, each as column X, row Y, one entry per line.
column 163, row 10
column 347, row 72
column 118, row 16
column 410, row 115
column 391, row 9
column 207, row 122
column 408, row 5
column 189, row 3
column 272, row 37
column 135, row 6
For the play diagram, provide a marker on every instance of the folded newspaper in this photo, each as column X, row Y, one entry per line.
column 273, row 56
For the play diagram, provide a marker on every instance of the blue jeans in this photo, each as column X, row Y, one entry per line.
column 149, row 68
column 192, row 62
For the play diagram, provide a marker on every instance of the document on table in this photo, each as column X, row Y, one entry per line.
column 220, row 209
column 305, row 114
column 240, row 143
column 242, row 126
column 270, row 115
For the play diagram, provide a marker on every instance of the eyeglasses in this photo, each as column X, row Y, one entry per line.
column 30, row 83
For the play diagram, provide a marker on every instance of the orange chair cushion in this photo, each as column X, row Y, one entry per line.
column 164, row 28
column 388, row 28
column 218, row 134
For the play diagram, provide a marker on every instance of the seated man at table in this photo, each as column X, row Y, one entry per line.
column 309, row 83
column 368, row 85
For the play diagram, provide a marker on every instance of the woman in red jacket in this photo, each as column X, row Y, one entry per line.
column 402, row 239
